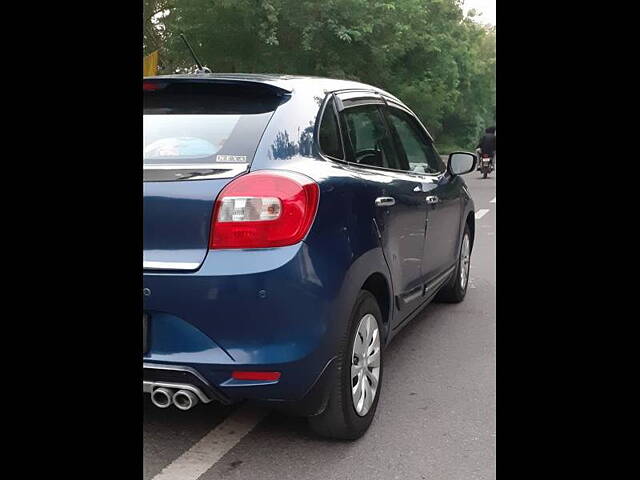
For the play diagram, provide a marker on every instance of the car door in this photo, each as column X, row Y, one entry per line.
column 400, row 209
column 440, row 192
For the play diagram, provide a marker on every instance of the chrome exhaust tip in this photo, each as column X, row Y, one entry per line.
column 162, row 397
column 185, row 400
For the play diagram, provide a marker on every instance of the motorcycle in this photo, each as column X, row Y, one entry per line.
column 485, row 165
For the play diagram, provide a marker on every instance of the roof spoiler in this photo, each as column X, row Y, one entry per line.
column 157, row 83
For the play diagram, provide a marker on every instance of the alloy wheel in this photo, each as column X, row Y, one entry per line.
column 465, row 259
column 365, row 364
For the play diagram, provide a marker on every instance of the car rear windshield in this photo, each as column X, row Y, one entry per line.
column 199, row 123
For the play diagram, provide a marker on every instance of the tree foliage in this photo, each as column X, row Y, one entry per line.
column 426, row 52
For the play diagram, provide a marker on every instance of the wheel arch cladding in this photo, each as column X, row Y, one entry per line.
column 379, row 287
column 471, row 223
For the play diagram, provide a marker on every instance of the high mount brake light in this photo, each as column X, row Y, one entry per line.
column 264, row 209
column 152, row 86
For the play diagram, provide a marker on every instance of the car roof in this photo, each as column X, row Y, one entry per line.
column 285, row 82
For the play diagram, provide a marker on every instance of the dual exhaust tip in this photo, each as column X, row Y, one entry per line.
column 165, row 397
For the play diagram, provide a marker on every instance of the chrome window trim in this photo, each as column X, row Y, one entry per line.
column 196, row 171
column 423, row 176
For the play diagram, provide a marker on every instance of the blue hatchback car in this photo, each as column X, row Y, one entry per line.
column 292, row 226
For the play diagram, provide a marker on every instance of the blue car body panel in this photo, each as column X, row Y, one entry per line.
column 176, row 219
column 285, row 309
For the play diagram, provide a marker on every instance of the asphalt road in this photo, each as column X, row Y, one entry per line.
column 435, row 420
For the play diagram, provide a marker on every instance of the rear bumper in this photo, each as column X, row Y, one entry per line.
column 312, row 403
column 270, row 309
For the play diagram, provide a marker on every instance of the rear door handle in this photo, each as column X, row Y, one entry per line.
column 432, row 200
column 385, row 202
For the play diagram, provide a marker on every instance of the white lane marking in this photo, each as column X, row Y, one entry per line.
column 493, row 201
column 213, row 446
column 481, row 213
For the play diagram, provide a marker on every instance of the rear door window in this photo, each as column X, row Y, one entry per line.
column 368, row 137
column 201, row 123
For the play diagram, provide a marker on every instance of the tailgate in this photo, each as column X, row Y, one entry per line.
column 198, row 136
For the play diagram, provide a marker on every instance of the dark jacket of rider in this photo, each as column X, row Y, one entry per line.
column 487, row 143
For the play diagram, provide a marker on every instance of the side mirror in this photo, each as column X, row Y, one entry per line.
column 461, row 163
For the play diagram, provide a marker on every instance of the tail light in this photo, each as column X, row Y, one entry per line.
column 264, row 209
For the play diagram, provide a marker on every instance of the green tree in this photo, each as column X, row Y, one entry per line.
column 424, row 51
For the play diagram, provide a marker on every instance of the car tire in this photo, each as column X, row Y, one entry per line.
column 455, row 289
column 341, row 419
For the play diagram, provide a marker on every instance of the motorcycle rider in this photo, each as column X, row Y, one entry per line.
column 487, row 143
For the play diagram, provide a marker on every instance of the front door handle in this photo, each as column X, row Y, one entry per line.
column 432, row 200
column 385, row 202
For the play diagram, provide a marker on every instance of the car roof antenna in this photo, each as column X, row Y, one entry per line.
column 201, row 68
